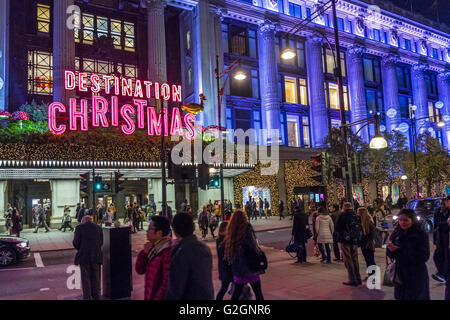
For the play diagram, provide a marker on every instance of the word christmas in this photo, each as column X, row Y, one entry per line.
column 146, row 116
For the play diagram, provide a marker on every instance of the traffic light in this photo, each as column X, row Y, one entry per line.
column 180, row 172
column 85, row 183
column 101, row 186
column 214, row 182
column 203, row 176
column 317, row 159
column 118, row 181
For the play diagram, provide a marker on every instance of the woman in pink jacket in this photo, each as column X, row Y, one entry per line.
column 154, row 259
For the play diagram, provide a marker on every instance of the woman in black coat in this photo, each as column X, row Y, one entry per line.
column 410, row 248
column 16, row 220
column 225, row 272
column 299, row 233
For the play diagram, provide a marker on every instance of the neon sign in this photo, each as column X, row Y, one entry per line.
column 147, row 116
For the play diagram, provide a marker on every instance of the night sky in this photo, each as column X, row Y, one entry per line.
column 427, row 8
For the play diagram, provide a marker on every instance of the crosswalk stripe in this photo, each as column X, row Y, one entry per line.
column 38, row 259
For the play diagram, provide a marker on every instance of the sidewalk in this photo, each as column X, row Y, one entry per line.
column 56, row 240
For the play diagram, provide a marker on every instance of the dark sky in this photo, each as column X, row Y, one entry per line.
column 428, row 8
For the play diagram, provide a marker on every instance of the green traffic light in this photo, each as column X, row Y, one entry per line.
column 98, row 186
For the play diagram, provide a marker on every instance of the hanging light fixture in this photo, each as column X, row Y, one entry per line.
column 441, row 124
column 240, row 75
column 377, row 142
column 288, row 53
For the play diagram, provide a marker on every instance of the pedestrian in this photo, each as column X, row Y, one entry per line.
column 154, row 259
column 368, row 238
column 254, row 209
column 81, row 213
column 190, row 275
column 402, row 201
column 203, row 221
column 88, row 241
column 266, row 208
column 228, row 210
column 151, row 210
column 441, row 214
column 184, row 205
column 299, row 233
column 281, row 209
column 77, row 210
column 108, row 217
column 8, row 215
column 349, row 234
column 293, row 204
column 213, row 222
column 248, row 210
column 335, row 213
column 134, row 218
column 443, row 242
column 114, row 211
column 388, row 202
column 260, row 208
column 142, row 218
column 240, row 244
column 410, row 249
column 17, row 224
column 324, row 228
column 67, row 220
column 314, row 215
column 225, row 272
column 41, row 219
column 100, row 213
column 381, row 226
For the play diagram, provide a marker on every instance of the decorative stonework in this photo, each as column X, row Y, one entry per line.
column 356, row 51
column 267, row 28
column 156, row 6
column 418, row 70
column 444, row 76
column 315, row 40
column 390, row 61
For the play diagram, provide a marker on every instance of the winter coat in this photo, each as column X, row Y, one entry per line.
column 324, row 229
column 411, row 257
column 190, row 274
column 299, row 227
column 442, row 255
column 368, row 240
column 156, row 273
column 88, row 240
column 203, row 220
column 225, row 272
column 240, row 263
column 348, row 228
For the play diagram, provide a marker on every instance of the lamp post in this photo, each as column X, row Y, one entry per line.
column 239, row 75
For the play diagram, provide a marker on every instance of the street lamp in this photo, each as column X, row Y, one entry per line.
column 239, row 75
column 404, row 177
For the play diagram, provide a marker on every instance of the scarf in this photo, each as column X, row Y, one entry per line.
column 159, row 246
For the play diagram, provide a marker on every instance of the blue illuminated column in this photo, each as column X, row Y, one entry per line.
column 316, row 90
column 444, row 96
column 207, row 43
column 63, row 49
column 156, row 37
column 358, row 105
column 4, row 46
column 390, row 91
column 268, row 77
column 420, row 95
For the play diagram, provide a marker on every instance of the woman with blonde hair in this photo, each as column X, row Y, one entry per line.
column 240, row 244
column 368, row 237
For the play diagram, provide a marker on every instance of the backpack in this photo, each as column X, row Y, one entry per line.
column 353, row 230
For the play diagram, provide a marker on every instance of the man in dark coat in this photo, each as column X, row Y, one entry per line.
column 349, row 234
column 88, row 240
column 443, row 241
column 190, row 275
column 299, row 233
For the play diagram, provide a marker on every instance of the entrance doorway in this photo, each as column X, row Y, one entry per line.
column 310, row 195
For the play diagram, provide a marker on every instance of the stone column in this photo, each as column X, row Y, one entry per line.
column 268, row 77
column 4, row 57
column 420, row 95
column 207, row 34
column 444, row 96
column 356, row 87
column 64, row 193
column 390, row 91
column 63, row 50
column 156, row 37
column 316, row 91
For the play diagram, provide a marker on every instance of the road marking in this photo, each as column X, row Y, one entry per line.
column 16, row 269
column 45, row 289
column 38, row 259
column 270, row 231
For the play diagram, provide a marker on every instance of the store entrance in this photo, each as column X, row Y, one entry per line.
column 310, row 195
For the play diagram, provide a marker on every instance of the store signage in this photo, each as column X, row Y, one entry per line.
column 391, row 113
column 403, row 127
column 146, row 116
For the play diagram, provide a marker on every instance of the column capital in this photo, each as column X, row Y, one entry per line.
column 219, row 12
column 419, row 67
column 315, row 40
column 156, row 4
column 267, row 28
column 390, row 60
column 356, row 51
column 444, row 75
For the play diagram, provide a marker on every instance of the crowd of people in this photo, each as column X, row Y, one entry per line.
column 13, row 221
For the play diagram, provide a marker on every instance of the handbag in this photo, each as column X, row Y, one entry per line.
column 257, row 260
column 292, row 247
column 308, row 234
column 391, row 275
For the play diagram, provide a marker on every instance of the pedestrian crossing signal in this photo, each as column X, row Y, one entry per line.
column 118, row 181
column 85, row 183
